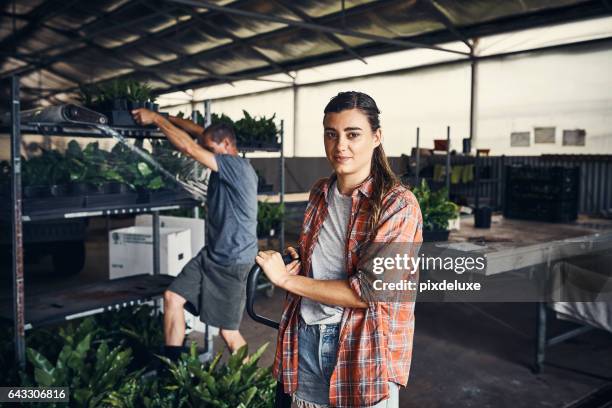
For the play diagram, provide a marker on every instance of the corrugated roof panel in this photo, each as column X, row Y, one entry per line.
column 296, row 45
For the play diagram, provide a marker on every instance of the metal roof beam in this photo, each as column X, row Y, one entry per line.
column 312, row 26
column 74, row 51
column 240, row 41
column 439, row 15
column 332, row 37
column 35, row 18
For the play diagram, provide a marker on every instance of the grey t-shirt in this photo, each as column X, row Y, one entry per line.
column 329, row 257
column 231, row 222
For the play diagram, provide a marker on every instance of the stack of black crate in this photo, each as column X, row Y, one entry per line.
column 542, row 193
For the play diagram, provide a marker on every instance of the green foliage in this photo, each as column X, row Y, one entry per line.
column 91, row 373
column 223, row 118
column 251, row 131
column 5, row 172
column 269, row 216
column 101, row 97
column 141, row 327
column 94, row 166
column 95, row 360
column 437, row 210
column 236, row 384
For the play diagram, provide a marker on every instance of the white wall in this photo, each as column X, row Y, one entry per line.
column 567, row 89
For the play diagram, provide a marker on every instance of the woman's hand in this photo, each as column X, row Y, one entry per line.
column 272, row 264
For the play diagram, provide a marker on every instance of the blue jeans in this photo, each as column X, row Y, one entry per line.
column 317, row 352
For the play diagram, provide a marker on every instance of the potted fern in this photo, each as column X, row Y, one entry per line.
column 437, row 210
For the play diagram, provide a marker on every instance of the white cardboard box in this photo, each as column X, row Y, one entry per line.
column 131, row 251
column 194, row 224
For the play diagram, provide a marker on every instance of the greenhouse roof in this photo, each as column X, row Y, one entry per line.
column 56, row 46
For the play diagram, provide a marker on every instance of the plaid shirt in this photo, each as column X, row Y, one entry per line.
column 375, row 344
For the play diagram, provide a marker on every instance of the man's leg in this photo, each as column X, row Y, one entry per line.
column 233, row 339
column 174, row 319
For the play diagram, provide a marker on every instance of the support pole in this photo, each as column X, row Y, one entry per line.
column 448, row 161
column 156, row 243
column 473, row 95
column 295, row 121
column 418, row 156
column 207, row 113
column 17, row 228
column 282, row 184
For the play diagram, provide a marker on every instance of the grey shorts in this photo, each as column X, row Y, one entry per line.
column 215, row 292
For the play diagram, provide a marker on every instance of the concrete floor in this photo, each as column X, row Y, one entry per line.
column 465, row 355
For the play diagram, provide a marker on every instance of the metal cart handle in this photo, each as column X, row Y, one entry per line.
column 252, row 293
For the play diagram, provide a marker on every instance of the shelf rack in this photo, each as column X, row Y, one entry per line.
column 447, row 158
column 61, row 306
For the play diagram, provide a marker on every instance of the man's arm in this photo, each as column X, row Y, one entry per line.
column 179, row 138
column 188, row 126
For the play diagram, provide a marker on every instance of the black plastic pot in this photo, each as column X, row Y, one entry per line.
column 114, row 188
column 109, row 200
column 37, row 191
column 81, row 189
column 120, row 104
column 435, row 235
column 59, row 190
column 136, row 105
column 149, row 105
column 5, row 189
column 482, row 217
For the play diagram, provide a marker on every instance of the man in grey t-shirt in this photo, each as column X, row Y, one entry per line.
column 213, row 283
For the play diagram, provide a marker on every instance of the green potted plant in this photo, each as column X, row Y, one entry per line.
column 117, row 98
column 257, row 132
column 269, row 217
column 437, row 210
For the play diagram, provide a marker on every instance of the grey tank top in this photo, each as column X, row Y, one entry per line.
column 329, row 257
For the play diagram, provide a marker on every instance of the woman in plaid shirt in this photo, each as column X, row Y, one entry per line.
column 337, row 347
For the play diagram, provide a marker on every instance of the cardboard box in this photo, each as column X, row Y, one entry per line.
column 195, row 225
column 130, row 251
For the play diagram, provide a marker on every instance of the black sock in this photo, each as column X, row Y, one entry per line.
column 173, row 353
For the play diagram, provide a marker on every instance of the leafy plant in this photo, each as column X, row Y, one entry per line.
column 436, row 208
column 239, row 383
column 139, row 327
column 251, row 131
column 101, row 97
column 5, row 173
column 223, row 118
column 90, row 373
column 269, row 216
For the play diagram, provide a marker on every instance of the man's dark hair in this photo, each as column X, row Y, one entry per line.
column 220, row 131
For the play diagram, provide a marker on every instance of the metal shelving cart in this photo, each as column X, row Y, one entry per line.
column 92, row 298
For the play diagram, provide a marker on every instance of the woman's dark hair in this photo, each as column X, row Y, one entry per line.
column 384, row 178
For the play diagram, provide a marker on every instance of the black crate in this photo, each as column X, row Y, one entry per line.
column 542, row 193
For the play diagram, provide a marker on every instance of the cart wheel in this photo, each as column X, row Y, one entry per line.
column 68, row 257
column 270, row 291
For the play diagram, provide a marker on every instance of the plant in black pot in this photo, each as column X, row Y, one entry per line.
column 116, row 98
column 5, row 178
column 256, row 132
column 437, row 210
column 269, row 217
